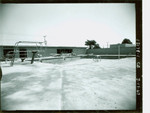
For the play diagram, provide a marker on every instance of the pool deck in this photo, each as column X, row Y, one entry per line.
column 78, row 85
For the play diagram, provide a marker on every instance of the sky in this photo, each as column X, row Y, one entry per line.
column 68, row 24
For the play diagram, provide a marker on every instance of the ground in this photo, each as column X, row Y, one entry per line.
column 81, row 84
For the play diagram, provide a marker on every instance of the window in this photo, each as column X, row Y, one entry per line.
column 8, row 53
column 59, row 51
column 23, row 53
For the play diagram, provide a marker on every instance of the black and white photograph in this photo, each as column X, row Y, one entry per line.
column 70, row 56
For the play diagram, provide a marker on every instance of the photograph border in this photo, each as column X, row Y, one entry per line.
column 139, row 78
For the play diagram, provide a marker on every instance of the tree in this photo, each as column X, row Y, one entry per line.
column 96, row 46
column 126, row 41
column 90, row 43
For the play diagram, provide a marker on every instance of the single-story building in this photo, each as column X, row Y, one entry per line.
column 26, row 50
column 115, row 49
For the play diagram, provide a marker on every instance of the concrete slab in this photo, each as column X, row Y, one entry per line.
column 75, row 85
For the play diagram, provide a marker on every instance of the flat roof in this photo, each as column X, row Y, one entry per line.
column 43, row 46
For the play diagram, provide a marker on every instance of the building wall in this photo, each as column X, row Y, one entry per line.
column 45, row 51
column 49, row 51
column 79, row 50
column 1, row 52
column 113, row 51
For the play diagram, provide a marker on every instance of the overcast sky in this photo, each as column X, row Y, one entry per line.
column 68, row 24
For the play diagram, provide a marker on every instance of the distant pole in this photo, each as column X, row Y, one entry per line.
column 118, row 51
column 45, row 42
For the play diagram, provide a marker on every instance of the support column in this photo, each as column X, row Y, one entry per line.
column 33, row 55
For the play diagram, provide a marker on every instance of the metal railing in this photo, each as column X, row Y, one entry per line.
column 38, row 47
